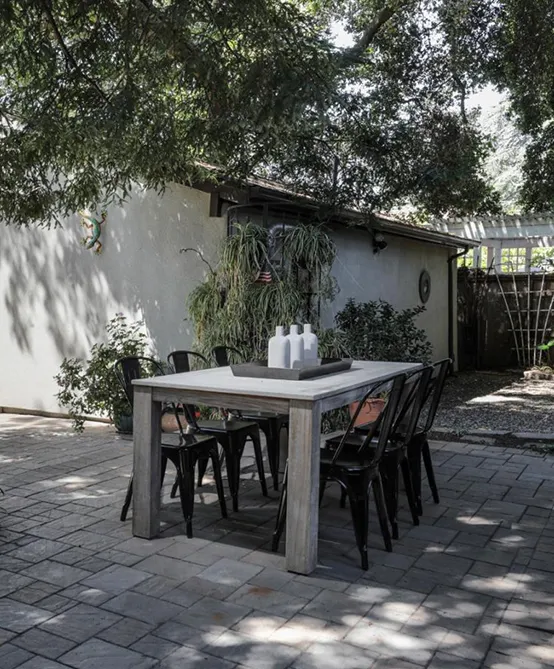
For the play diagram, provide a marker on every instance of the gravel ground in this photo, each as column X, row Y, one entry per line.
column 496, row 401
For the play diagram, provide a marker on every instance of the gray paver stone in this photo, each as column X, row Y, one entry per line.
column 169, row 567
column 248, row 652
column 12, row 656
column 188, row 658
column 209, row 614
column 230, row 572
column 83, row 622
column 56, row 573
column 142, row 607
column 154, row 646
column 97, row 653
column 116, row 579
column 19, row 617
column 125, row 632
column 42, row 643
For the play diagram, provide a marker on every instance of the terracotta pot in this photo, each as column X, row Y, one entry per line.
column 124, row 424
column 369, row 412
column 169, row 422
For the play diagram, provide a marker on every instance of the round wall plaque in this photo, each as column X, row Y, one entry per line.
column 424, row 285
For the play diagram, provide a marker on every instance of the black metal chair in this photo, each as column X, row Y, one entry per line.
column 190, row 450
column 418, row 447
column 356, row 470
column 395, row 457
column 231, row 433
column 269, row 423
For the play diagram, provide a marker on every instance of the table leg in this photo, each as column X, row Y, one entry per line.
column 303, row 486
column 147, row 456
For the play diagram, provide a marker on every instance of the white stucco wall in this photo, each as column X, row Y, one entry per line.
column 392, row 275
column 56, row 296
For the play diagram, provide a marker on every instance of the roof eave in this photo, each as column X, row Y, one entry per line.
column 425, row 235
column 379, row 222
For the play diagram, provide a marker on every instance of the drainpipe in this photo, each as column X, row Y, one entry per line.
column 451, row 353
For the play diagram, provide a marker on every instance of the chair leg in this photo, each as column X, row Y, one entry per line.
column 129, row 493
column 343, row 498
column 414, row 458
column 322, row 486
column 407, row 477
column 186, row 488
column 164, row 467
column 281, row 513
column 175, row 486
column 359, row 508
column 255, row 436
column 214, row 456
column 272, row 435
column 389, row 478
column 202, row 466
column 382, row 512
column 426, row 453
column 233, row 452
column 127, row 502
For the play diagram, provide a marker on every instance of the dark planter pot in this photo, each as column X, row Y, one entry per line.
column 124, row 423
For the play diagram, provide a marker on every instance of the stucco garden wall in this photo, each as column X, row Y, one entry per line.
column 393, row 275
column 56, row 296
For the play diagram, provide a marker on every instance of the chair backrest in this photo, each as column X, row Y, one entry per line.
column 384, row 423
column 133, row 367
column 433, row 394
column 223, row 354
column 410, row 405
column 180, row 360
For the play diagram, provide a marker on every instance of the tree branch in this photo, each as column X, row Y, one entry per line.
column 200, row 255
column 462, row 88
column 68, row 55
column 373, row 28
column 371, row 31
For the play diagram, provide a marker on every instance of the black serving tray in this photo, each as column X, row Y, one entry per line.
column 260, row 370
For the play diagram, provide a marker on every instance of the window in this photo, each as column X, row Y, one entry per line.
column 514, row 259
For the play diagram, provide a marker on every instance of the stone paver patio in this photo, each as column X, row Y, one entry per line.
column 470, row 587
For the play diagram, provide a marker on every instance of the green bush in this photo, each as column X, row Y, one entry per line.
column 375, row 330
column 89, row 387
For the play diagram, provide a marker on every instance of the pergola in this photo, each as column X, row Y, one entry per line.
column 509, row 243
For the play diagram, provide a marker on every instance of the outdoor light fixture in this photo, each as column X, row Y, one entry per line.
column 379, row 242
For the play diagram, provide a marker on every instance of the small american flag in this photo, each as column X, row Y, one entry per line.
column 264, row 276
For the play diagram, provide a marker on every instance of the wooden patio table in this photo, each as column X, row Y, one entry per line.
column 303, row 400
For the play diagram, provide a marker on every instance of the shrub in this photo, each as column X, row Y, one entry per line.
column 89, row 387
column 375, row 330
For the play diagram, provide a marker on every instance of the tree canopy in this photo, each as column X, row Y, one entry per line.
column 96, row 95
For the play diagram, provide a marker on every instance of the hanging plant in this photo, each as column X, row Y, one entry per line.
column 253, row 306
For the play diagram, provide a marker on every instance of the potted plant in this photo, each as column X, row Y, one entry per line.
column 370, row 411
column 90, row 387
column 375, row 330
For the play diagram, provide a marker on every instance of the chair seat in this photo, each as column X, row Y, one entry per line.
column 191, row 441
column 265, row 415
column 355, row 440
column 225, row 425
column 347, row 461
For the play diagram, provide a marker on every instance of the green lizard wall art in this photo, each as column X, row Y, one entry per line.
column 88, row 221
